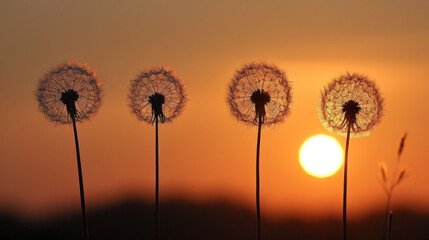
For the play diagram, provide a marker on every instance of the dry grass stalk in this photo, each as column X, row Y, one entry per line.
column 390, row 182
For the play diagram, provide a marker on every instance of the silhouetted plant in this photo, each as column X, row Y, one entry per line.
column 259, row 94
column 157, row 95
column 351, row 106
column 68, row 94
column 390, row 182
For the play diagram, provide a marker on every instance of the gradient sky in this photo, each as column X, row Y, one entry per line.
column 206, row 154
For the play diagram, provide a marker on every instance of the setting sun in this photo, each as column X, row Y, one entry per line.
column 321, row 156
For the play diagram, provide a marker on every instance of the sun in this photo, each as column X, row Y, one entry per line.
column 321, row 156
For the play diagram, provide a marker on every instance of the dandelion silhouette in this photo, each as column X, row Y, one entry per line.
column 157, row 95
column 389, row 183
column 68, row 94
column 351, row 106
column 259, row 94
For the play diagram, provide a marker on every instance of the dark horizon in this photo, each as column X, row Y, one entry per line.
column 133, row 219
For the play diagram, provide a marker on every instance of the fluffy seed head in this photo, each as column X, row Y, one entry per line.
column 70, row 89
column 157, row 93
column 259, row 89
column 351, row 98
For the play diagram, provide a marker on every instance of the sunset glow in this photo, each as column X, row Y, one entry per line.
column 333, row 54
column 321, row 156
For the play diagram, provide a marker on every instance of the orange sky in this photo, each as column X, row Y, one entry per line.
column 206, row 154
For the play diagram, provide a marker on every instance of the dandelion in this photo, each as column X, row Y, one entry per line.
column 157, row 95
column 68, row 94
column 259, row 94
column 351, row 106
column 390, row 182
column 70, row 91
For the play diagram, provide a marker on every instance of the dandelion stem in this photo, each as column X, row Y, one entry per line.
column 258, row 208
column 82, row 193
column 156, row 181
column 345, row 183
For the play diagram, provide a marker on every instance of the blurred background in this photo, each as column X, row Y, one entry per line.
column 207, row 157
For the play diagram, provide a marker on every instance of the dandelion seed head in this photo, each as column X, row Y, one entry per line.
column 351, row 98
column 157, row 93
column 70, row 89
column 259, row 89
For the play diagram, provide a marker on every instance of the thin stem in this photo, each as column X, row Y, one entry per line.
column 390, row 225
column 82, row 193
column 345, row 184
column 156, row 181
column 258, row 208
column 386, row 227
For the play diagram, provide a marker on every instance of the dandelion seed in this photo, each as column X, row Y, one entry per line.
column 68, row 94
column 157, row 95
column 350, row 105
column 259, row 94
